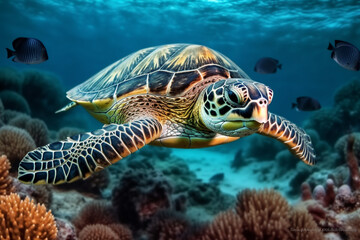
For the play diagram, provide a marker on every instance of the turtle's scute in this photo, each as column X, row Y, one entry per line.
column 152, row 70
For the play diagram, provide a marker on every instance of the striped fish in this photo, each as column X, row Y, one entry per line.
column 28, row 50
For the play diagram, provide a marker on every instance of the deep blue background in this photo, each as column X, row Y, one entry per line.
column 82, row 37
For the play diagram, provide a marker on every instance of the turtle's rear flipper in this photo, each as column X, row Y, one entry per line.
column 81, row 155
column 295, row 138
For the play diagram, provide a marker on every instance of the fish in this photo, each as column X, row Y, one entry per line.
column 306, row 104
column 217, row 178
column 345, row 54
column 267, row 65
column 28, row 51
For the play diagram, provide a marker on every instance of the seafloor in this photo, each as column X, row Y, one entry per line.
column 163, row 194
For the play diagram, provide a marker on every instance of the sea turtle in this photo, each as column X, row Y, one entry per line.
column 179, row 95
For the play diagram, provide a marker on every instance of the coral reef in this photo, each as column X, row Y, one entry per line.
column 35, row 127
column 14, row 101
column 15, row 143
column 6, row 184
column 45, row 96
column 10, row 79
column 167, row 225
column 91, row 186
column 139, row 195
column 226, row 225
column 95, row 213
column 264, row 214
column 22, row 219
column 66, row 230
column 302, row 226
column 262, row 148
column 98, row 232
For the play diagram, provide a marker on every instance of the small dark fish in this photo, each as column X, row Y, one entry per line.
column 306, row 104
column 28, row 50
column 346, row 55
column 267, row 65
column 217, row 178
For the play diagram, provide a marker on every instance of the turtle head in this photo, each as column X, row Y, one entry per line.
column 235, row 107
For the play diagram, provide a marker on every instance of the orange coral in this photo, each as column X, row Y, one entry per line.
column 6, row 186
column 226, row 226
column 22, row 219
column 264, row 214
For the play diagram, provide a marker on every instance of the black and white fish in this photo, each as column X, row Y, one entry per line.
column 306, row 104
column 28, row 50
column 217, row 178
column 346, row 55
column 267, row 65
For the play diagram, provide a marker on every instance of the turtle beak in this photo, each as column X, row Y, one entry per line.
column 260, row 111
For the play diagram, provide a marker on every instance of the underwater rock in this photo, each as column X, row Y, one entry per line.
column 20, row 218
column 14, row 101
column 15, row 143
column 40, row 194
column 239, row 160
column 341, row 144
column 303, row 172
column 262, row 148
column 66, row 230
column 92, row 186
column 139, row 195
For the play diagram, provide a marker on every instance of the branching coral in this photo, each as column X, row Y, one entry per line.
column 6, row 186
column 167, row 225
column 264, row 214
column 15, row 143
column 22, row 219
column 226, row 226
column 95, row 213
column 303, row 227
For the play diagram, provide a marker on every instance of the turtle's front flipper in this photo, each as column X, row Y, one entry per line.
column 81, row 155
column 295, row 138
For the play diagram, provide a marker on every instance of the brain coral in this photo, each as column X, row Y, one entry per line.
column 14, row 101
column 15, row 143
column 6, row 186
column 22, row 219
column 35, row 127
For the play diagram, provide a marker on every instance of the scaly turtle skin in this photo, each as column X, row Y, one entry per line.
column 180, row 95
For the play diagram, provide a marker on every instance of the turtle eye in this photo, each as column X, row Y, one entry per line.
column 237, row 96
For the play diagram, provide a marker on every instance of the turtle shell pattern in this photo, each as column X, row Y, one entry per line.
column 168, row 70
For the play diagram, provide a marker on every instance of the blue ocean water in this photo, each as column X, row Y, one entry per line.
column 82, row 37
